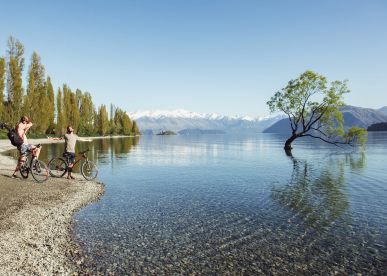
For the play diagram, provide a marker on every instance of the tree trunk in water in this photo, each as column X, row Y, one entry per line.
column 288, row 143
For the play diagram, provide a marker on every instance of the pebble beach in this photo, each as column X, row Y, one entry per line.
column 36, row 220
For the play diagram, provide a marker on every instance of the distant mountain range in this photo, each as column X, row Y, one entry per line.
column 383, row 110
column 188, row 122
column 353, row 116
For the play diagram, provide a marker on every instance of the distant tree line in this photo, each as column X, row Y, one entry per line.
column 378, row 127
column 49, row 113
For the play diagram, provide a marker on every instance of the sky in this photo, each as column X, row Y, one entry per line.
column 226, row 57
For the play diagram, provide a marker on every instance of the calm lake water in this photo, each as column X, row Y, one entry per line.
column 220, row 204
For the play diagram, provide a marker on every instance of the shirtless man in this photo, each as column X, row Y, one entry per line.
column 23, row 126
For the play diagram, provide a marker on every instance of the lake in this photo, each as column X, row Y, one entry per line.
column 220, row 204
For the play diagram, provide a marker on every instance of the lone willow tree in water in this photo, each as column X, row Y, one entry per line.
column 313, row 109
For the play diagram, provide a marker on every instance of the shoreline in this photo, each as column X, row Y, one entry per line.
column 36, row 220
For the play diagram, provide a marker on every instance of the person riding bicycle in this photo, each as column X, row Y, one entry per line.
column 22, row 128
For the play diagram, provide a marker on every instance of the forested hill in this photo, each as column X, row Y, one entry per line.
column 51, row 113
column 378, row 127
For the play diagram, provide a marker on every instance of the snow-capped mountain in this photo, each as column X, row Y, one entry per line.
column 181, row 119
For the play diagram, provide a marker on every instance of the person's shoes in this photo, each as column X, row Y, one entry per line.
column 14, row 176
column 71, row 177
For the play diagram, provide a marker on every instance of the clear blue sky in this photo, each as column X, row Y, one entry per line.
column 202, row 55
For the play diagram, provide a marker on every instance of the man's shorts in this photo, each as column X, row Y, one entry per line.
column 24, row 149
column 70, row 157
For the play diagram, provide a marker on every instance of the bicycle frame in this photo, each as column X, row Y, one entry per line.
column 82, row 156
column 88, row 169
column 30, row 158
column 28, row 161
column 26, row 167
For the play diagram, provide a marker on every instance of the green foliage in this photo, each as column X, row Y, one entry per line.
column 126, row 125
column 356, row 135
column 313, row 108
column 2, row 86
column 15, row 66
column 15, row 92
column 15, row 49
column 66, row 105
column 121, row 123
column 87, row 112
column 37, row 96
column 60, row 124
column 50, row 115
column 50, row 107
column 103, row 121
column 135, row 129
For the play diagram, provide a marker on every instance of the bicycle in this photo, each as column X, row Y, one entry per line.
column 58, row 166
column 36, row 167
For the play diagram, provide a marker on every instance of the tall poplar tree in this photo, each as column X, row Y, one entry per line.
column 15, row 66
column 36, row 96
column 51, row 106
column 2, row 86
column 39, row 103
column 135, row 129
column 111, row 122
column 126, row 124
column 103, row 120
column 87, row 114
column 15, row 92
column 27, row 102
column 117, row 121
column 96, row 122
column 60, row 124
column 74, row 111
column 66, row 105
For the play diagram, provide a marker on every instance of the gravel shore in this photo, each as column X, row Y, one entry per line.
column 36, row 221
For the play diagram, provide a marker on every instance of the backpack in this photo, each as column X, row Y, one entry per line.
column 14, row 137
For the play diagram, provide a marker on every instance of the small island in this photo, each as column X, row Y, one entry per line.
column 166, row 132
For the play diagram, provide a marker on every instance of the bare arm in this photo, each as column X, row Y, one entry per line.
column 55, row 138
column 27, row 127
column 82, row 139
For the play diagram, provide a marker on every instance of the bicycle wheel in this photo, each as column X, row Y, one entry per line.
column 57, row 167
column 39, row 171
column 24, row 169
column 89, row 170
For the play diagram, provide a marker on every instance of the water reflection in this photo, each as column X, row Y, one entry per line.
column 317, row 192
column 357, row 162
column 181, row 205
column 117, row 145
column 101, row 150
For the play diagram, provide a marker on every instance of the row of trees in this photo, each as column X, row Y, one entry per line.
column 51, row 114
